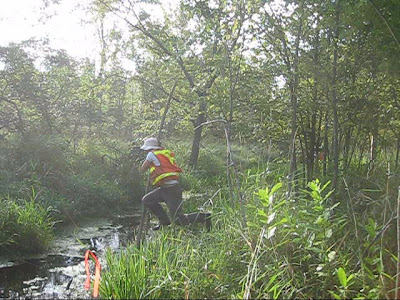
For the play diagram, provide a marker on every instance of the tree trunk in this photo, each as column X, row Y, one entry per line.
column 313, row 134
column 312, row 148
column 326, row 146
column 335, row 142
column 201, row 118
column 374, row 143
column 352, row 151
column 293, row 161
column 362, row 149
column 19, row 124
column 346, row 147
column 304, row 154
column 318, row 149
column 103, row 43
column 294, row 104
column 397, row 152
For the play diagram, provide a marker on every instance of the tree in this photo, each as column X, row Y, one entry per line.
column 194, row 42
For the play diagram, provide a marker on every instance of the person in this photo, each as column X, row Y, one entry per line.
column 164, row 176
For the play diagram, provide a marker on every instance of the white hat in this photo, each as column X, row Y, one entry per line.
column 150, row 143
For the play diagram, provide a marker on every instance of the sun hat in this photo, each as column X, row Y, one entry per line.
column 150, row 144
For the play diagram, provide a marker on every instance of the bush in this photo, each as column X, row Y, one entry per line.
column 66, row 180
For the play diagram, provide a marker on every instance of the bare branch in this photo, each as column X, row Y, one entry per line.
column 386, row 22
column 211, row 122
column 147, row 33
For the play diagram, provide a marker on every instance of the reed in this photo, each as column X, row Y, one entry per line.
column 25, row 226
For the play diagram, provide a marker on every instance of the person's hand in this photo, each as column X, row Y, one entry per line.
column 145, row 166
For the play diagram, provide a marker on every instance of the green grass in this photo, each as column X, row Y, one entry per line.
column 178, row 263
column 303, row 247
column 25, row 226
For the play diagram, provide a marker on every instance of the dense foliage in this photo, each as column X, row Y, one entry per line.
column 308, row 247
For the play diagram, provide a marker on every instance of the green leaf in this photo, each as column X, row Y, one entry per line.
column 350, row 278
column 336, row 296
column 264, row 196
column 388, row 276
column 279, row 204
column 272, row 279
column 260, row 212
column 252, row 224
column 370, row 229
column 334, row 205
column 276, row 187
column 313, row 186
column 342, row 277
column 282, row 221
column 314, row 249
column 370, row 190
column 325, row 185
column 328, row 194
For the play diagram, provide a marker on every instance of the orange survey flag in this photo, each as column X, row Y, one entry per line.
column 96, row 275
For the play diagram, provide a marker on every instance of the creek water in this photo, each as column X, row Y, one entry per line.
column 60, row 272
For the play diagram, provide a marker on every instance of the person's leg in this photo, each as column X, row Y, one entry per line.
column 152, row 201
column 172, row 195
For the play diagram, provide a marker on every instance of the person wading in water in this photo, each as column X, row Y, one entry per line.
column 164, row 176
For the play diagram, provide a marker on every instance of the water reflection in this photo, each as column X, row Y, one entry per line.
column 61, row 274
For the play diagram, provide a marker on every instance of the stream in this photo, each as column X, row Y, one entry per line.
column 60, row 272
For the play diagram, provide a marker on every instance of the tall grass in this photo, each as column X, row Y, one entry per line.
column 176, row 263
column 25, row 226
column 303, row 247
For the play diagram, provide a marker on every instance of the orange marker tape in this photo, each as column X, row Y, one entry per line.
column 96, row 275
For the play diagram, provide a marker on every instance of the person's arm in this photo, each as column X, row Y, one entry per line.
column 145, row 166
column 150, row 159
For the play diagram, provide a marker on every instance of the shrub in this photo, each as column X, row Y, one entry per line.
column 67, row 180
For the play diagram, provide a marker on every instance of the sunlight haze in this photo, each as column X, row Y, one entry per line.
column 66, row 25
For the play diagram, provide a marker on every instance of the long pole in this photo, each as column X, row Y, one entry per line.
column 139, row 237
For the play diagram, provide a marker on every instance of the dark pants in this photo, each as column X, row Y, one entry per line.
column 172, row 196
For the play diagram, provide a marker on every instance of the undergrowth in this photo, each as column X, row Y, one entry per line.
column 69, row 185
column 307, row 245
column 25, row 226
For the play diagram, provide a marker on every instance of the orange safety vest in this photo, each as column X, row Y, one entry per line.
column 167, row 170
